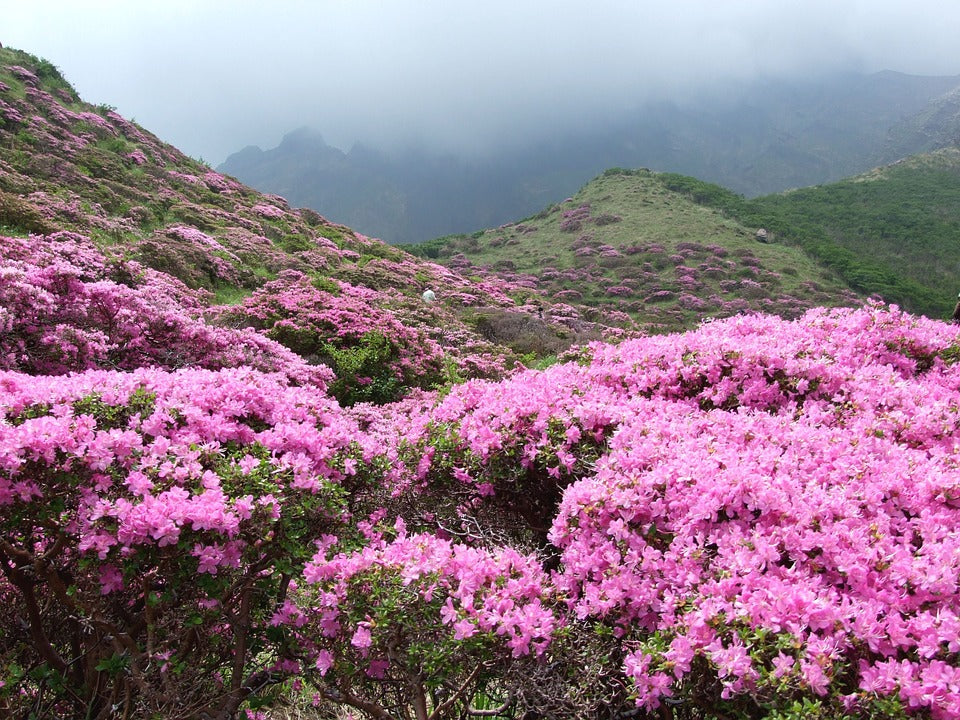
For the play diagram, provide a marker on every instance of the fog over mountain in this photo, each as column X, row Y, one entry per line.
column 755, row 137
column 459, row 77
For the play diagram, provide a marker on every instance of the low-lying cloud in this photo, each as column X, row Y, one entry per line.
column 216, row 76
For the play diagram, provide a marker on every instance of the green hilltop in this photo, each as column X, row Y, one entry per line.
column 670, row 249
column 643, row 243
column 891, row 232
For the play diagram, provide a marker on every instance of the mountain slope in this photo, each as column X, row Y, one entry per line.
column 402, row 197
column 904, row 217
column 69, row 166
column 935, row 126
column 890, row 232
column 628, row 241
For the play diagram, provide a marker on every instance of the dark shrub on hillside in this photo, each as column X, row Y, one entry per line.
column 607, row 219
column 692, row 247
column 17, row 214
column 311, row 217
column 615, row 261
column 521, row 332
column 661, row 296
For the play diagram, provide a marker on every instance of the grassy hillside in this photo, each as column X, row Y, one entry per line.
column 935, row 127
column 637, row 241
column 904, row 219
column 66, row 165
column 891, row 232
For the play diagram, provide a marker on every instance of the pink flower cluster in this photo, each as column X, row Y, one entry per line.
column 192, row 235
column 161, row 455
column 271, row 212
column 318, row 323
column 443, row 592
column 64, row 306
column 180, row 503
column 776, row 498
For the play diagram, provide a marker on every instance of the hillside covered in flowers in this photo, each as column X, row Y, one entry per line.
column 248, row 471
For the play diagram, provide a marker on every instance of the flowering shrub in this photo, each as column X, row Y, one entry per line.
column 219, row 183
column 153, row 522
column 192, row 235
column 374, row 356
column 268, row 211
column 773, row 574
column 743, row 525
column 441, row 614
column 65, row 307
column 137, row 157
column 760, row 522
column 691, row 302
column 184, row 177
column 660, row 296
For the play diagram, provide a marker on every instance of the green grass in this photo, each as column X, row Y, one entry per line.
column 230, row 295
column 51, row 79
column 894, row 231
column 901, row 223
column 653, row 209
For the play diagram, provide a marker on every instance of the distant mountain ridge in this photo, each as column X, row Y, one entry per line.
column 755, row 139
column 935, row 127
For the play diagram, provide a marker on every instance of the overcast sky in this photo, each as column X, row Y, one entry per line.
column 213, row 76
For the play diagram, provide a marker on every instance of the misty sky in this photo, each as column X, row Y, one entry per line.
column 213, row 76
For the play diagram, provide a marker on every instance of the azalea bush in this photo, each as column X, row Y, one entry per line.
column 764, row 526
column 415, row 620
column 780, row 560
column 738, row 527
column 153, row 524
column 374, row 356
column 65, row 306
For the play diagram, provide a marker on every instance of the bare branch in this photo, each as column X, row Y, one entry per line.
column 25, row 584
column 348, row 698
column 457, row 695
